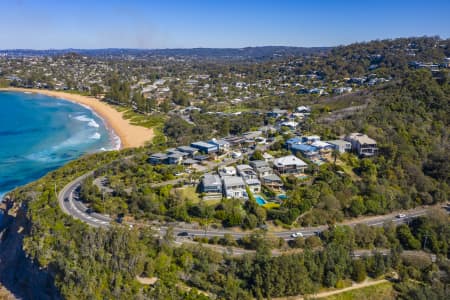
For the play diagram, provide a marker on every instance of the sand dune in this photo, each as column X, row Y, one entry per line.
column 130, row 135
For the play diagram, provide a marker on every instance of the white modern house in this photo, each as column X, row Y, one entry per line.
column 234, row 187
column 227, row 171
column 289, row 165
column 254, row 185
column 341, row 145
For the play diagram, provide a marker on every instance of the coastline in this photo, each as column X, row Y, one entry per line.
column 130, row 135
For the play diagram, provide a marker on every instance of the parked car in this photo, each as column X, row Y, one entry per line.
column 400, row 216
column 184, row 233
column 297, row 234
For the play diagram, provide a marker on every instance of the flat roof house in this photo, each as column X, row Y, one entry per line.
column 174, row 159
column 204, row 147
column 322, row 146
column 234, row 187
column 310, row 139
column 157, row 158
column 227, row 171
column 222, row 145
column 290, row 124
column 254, row 185
column 246, row 172
column 267, row 157
column 362, row 144
column 191, row 151
column 273, row 181
column 289, row 165
column 211, row 184
column 261, row 167
column 308, row 151
column 341, row 145
column 293, row 141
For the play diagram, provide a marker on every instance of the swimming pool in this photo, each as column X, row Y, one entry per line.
column 282, row 197
column 260, row 200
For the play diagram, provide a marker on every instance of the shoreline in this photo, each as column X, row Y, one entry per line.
column 130, row 136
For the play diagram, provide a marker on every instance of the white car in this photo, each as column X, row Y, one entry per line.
column 297, row 234
column 400, row 216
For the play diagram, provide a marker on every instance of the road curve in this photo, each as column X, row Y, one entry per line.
column 72, row 206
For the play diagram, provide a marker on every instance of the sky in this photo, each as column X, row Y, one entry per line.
column 91, row 24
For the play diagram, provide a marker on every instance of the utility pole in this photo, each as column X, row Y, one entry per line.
column 425, row 241
column 103, row 200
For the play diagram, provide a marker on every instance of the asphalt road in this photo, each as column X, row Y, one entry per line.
column 71, row 205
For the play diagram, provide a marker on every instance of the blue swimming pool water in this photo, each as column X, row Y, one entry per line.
column 260, row 200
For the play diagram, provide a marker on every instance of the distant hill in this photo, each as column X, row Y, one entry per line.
column 257, row 53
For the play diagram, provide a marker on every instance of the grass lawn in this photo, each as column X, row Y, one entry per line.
column 270, row 205
column 188, row 193
column 212, row 202
column 149, row 121
column 382, row 291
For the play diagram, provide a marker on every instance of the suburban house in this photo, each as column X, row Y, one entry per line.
column 211, row 184
column 254, row 185
column 306, row 150
column 322, row 146
column 267, row 157
column 189, row 162
column 191, row 151
column 272, row 181
column 341, row 145
column 310, row 139
column 205, row 148
column 362, row 144
column 303, row 109
column 234, row 187
column 174, row 159
column 290, row 124
column 246, row 172
column 276, row 113
column 261, row 167
column 222, row 145
column 293, row 141
column 173, row 151
column 289, row 165
column 157, row 158
column 227, row 171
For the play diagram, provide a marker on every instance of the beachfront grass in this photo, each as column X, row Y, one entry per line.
column 75, row 92
column 148, row 121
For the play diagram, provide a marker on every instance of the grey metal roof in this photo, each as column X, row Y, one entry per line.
column 272, row 177
column 187, row 149
column 233, row 181
column 211, row 180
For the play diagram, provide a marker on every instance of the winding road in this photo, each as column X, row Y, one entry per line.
column 71, row 205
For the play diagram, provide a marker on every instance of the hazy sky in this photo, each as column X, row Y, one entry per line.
column 43, row 24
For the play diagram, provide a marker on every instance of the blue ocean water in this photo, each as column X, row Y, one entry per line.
column 39, row 133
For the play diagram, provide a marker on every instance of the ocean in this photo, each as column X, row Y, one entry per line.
column 39, row 133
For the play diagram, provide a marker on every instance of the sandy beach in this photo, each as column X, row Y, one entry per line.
column 130, row 135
